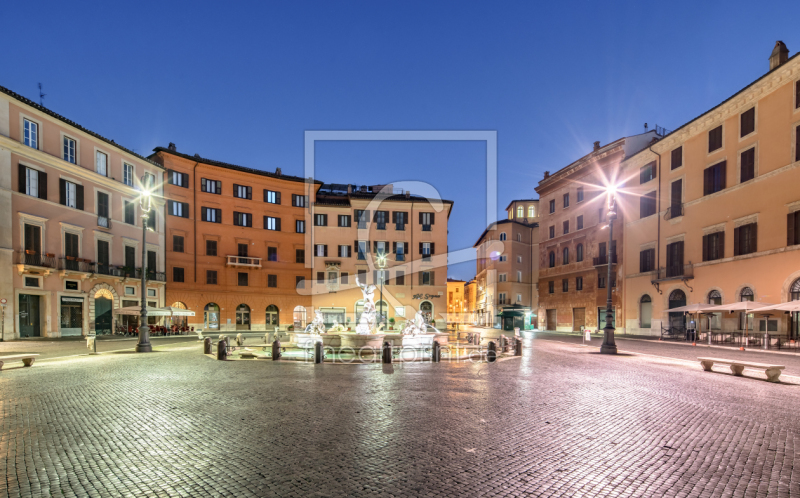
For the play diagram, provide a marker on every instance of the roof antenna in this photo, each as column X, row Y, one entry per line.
column 41, row 96
column 645, row 127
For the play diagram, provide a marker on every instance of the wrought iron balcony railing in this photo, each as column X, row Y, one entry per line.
column 603, row 260
column 32, row 258
column 244, row 261
column 75, row 264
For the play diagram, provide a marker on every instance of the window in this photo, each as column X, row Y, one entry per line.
column 32, row 182
column 676, row 200
column 344, row 220
column 211, row 215
column 30, row 133
column 579, row 194
column 151, row 220
column 579, row 222
column 177, row 243
column 531, row 212
column 647, row 172
column 272, row 280
column 647, row 204
column 320, row 220
column 426, row 278
column 714, row 178
column 242, row 192
column 362, row 248
column 242, row 219
column 553, row 232
column 101, row 163
column 400, row 278
column 579, row 253
column 552, row 262
column 745, row 239
column 272, row 197
column 748, row 122
column 565, row 227
column 647, row 260
column 565, row 285
column 344, row 251
column 399, row 218
column 552, row 206
column 177, row 178
column 299, row 255
column 797, row 144
column 676, row 158
column 578, row 283
column 715, row 139
column 177, row 274
column 380, row 219
column 211, row 248
column 675, row 259
column 211, row 186
column 713, row 246
column 748, row 165
column 361, row 218
column 502, row 236
column 298, row 200
column 149, row 180
column 519, row 276
column 793, row 228
column 566, row 200
column 399, row 249
column 300, row 226
column 300, row 282
column 127, row 174
column 503, row 257
column 69, row 150
column 551, row 287
column 211, row 277
column 320, row 277
column 320, row 250
column 242, row 279
column 272, row 223
column 502, row 277
column 501, row 298
column 426, row 249
column 180, row 209
column 797, row 94
column 272, row 254
column 381, row 248
column 70, row 194
column 426, row 220
column 565, row 256
column 520, row 212
column 129, row 209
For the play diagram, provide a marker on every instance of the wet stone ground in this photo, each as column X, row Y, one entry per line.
column 560, row 421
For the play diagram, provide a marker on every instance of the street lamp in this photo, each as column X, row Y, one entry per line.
column 382, row 265
column 609, row 346
column 145, row 202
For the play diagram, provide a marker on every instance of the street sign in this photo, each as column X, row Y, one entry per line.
column 3, row 301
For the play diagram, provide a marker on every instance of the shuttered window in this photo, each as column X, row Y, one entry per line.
column 715, row 139
column 242, row 192
column 748, row 122
column 675, row 259
column 211, row 215
column 647, row 260
column 745, row 239
column 178, row 179
column 647, row 172
column 70, row 194
column 713, row 246
column 793, row 228
column 272, row 197
column 647, row 204
column 714, row 178
column 210, row 186
column 748, row 165
column 677, row 158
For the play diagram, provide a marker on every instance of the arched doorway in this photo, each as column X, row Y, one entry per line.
column 211, row 316
column 103, row 312
column 243, row 317
column 272, row 317
column 746, row 320
column 677, row 298
column 714, row 319
column 426, row 307
column 299, row 318
column 645, row 312
column 180, row 321
column 794, row 295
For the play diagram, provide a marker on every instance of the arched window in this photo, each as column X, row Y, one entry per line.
column 794, row 323
column 645, row 312
column 552, row 259
column 510, row 214
column 272, row 316
column 747, row 294
column 520, row 212
column 299, row 317
column 565, row 256
column 794, row 290
column 746, row 320
column 579, row 253
column 714, row 319
column 179, row 305
column 426, row 307
column 211, row 316
column 714, row 297
column 243, row 317
column 677, row 296
column 502, row 236
column 531, row 212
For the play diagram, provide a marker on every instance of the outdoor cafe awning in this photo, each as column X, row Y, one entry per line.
column 746, row 306
column 691, row 308
column 168, row 311
column 790, row 306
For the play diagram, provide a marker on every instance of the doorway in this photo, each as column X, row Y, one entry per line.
column 243, row 317
column 551, row 320
column 578, row 319
column 103, row 308
column 677, row 321
column 272, row 317
column 646, row 312
column 29, row 318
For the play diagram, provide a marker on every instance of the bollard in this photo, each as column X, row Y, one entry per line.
column 387, row 352
column 491, row 354
column 436, row 352
column 222, row 350
column 239, row 339
column 502, row 341
column 476, row 339
column 318, row 352
column 518, row 347
column 276, row 349
column 766, row 341
column 207, row 345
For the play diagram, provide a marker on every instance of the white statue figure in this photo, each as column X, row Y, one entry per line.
column 336, row 328
column 417, row 325
column 317, row 326
column 366, row 324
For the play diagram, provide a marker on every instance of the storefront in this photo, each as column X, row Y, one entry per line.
column 71, row 322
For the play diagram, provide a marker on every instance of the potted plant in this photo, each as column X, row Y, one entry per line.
column 290, row 328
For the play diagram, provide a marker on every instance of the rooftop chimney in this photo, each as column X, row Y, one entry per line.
column 597, row 145
column 408, row 194
column 546, row 175
column 172, row 147
column 278, row 171
column 349, row 189
column 780, row 54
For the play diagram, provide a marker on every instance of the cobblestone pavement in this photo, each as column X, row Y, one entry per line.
column 560, row 421
column 53, row 348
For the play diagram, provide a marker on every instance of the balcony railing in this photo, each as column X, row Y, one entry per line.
column 106, row 269
column 381, row 225
column 103, row 222
column 603, row 260
column 76, row 265
column 426, row 228
column 674, row 211
column 244, row 261
column 400, row 226
column 31, row 258
column 674, row 272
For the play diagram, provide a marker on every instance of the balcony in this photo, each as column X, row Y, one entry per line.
column 103, row 222
column 603, row 260
column 32, row 258
column 674, row 272
column 243, row 261
column 77, row 265
column 674, row 211
column 108, row 270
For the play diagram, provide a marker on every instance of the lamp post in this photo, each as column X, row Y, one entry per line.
column 145, row 201
column 382, row 265
column 609, row 346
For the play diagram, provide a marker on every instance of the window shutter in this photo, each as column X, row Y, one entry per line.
column 394, row 216
column 277, row 224
column 339, row 252
column 250, row 193
column 185, row 179
column 723, row 174
column 680, row 253
column 203, row 184
column 432, row 218
column 265, row 195
column 79, row 196
column 325, row 250
column 736, row 241
column 62, row 191
column 277, row 197
column 721, row 247
column 219, row 187
column 433, row 280
column 754, row 237
column 797, row 144
column 707, row 180
column 420, row 247
column 394, row 247
column 433, row 248
column 42, row 185
column 169, row 177
column 266, row 222
column 420, row 278
column 790, row 229
column 23, row 180
column 420, row 222
column 705, row 247
column 355, row 246
column 374, row 246
column 641, row 261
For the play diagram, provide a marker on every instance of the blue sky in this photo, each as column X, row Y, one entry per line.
column 242, row 81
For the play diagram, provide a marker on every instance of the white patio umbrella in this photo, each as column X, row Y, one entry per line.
column 790, row 306
column 692, row 308
column 168, row 311
column 746, row 306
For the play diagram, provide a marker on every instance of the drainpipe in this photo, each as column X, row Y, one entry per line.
column 658, row 210
column 411, row 248
column 194, row 215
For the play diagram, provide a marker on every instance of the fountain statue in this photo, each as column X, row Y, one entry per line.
column 416, row 326
column 317, row 326
column 336, row 328
column 366, row 324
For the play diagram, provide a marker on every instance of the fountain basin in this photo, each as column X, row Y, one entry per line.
column 304, row 340
column 358, row 341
